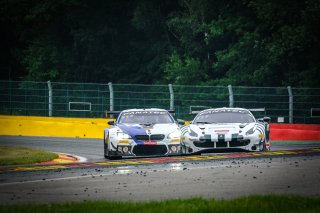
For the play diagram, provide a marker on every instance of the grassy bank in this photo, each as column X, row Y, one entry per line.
column 270, row 203
column 21, row 155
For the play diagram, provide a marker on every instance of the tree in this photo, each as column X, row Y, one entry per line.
column 239, row 42
column 257, row 42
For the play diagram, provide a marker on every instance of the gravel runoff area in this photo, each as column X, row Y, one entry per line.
column 220, row 179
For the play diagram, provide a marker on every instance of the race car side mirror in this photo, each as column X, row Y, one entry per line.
column 267, row 119
column 111, row 123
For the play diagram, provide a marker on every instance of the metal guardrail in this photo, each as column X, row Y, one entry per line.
column 282, row 104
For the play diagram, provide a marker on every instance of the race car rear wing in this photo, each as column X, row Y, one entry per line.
column 257, row 110
column 261, row 116
column 196, row 109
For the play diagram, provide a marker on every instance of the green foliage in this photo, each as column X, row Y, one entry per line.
column 44, row 60
column 240, row 42
column 250, row 43
column 267, row 203
column 22, row 155
column 183, row 70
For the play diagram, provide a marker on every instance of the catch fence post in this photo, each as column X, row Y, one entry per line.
column 171, row 97
column 231, row 101
column 50, row 98
column 290, row 104
column 111, row 96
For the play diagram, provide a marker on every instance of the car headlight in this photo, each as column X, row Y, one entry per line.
column 192, row 133
column 251, row 131
column 172, row 135
column 122, row 135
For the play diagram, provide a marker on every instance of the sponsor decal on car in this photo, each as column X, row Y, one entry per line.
column 144, row 113
column 149, row 143
column 221, row 130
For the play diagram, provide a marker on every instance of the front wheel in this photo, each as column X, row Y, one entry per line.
column 107, row 153
column 111, row 157
column 262, row 146
column 105, row 146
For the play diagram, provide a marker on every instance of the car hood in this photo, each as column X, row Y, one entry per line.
column 227, row 128
column 137, row 129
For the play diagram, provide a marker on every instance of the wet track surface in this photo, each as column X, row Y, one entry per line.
column 92, row 149
column 209, row 177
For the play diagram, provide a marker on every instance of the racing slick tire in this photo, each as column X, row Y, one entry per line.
column 105, row 148
column 262, row 146
column 106, row 151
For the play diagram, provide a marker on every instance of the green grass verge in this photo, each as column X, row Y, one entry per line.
column 254, row 204
column 10, row 155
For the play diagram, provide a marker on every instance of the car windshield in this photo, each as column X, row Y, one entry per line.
column 224, row 116
column 145, row 117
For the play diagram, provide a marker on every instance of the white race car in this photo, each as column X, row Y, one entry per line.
column 142, row 132
column 225, row 128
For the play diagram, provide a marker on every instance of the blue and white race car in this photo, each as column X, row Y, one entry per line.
column 142, row 132
column 225, row 128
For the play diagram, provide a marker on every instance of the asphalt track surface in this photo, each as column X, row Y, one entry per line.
column 297, row 173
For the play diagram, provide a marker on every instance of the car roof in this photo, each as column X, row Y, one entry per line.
column 226, row 108
column 147, row 109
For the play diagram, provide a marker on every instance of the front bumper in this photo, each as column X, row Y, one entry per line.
column 140, row 150
column 193, row 145
column 226, row 144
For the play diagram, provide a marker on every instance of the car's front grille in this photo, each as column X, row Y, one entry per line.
column 155, row 137
column 142, row 137
column 232, row 144
column 239, row 143
column 221, row 144
column 149, row 150
column 210, row 144
column 204, row 144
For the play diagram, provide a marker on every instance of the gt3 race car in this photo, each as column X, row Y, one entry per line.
column 142, row 132
column 225, row 128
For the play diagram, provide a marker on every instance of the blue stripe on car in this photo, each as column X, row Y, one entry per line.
column 133, row 131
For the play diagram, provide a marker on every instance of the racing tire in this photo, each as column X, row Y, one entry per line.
column 262, row 146
column 183, row 149
column 105, row 147
column 106, row 151
column 112, row 157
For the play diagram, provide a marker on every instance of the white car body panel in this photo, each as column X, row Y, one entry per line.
column 143, row 139
column 206, row 137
